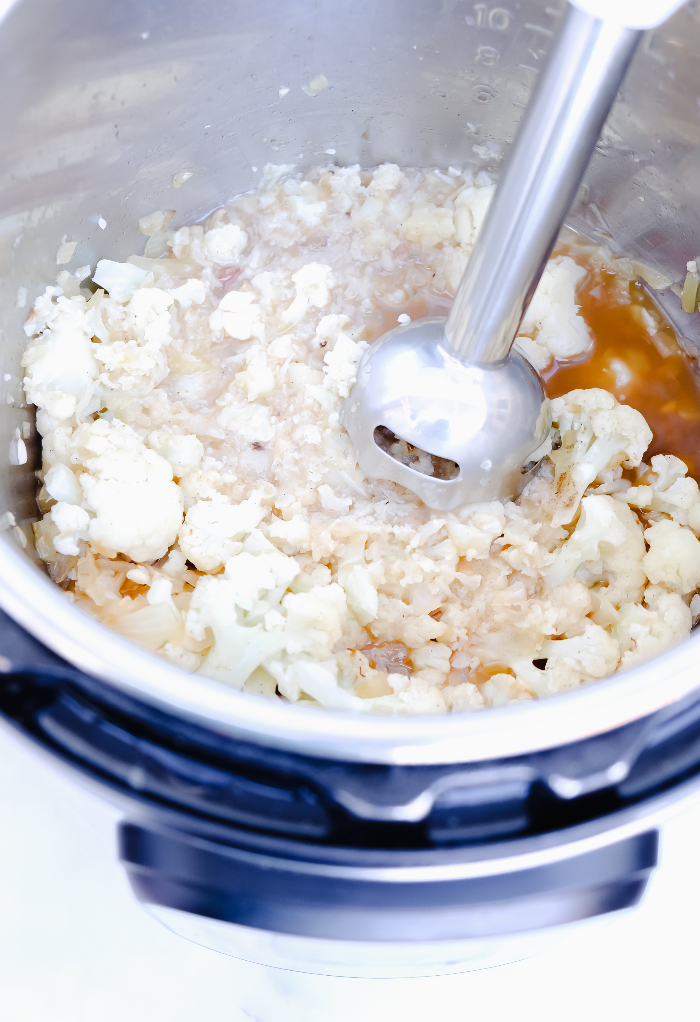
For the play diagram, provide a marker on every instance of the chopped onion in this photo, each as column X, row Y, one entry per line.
column 689, row 297
column 151, row 626
column 654, row 278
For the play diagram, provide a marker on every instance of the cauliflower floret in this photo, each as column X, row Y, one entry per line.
column 181, row 657
column 239, row 315
column 418, row 697
column 315, row 620
column 501, row 689
column 609, row 543
column 385, row 179
column 213, row 529
column 318, row 680
column 471, row 206
column 434, row 656
column 148, row 317
column 644, row 633
column 411, row 696
column 254, row 573
column 310, row 213
column 241, row 607
column 225, row 245
column 552, row 327
column 596, row 434
column 251, row 421
column 43, row 311
column 183, row 451
column 668, row 488
column 361, row 593
column 294, row 534
column 473, row 537
column 238, row 649
column 62, row 484
column 428, row 224
column 622, row 566
column 313, row 283
column 250, row 626
column 571, row 603
column 571, row 661
column 368, row 213
column 138, row 364
column 60, row 363
column 258, row 379
column 138, row 507
column 192, row 292
column 667, row 470
column 120, row 280
column 464, row 697
column 341, row 361
column 72, row 523
column 673, row 558
column 175, row 564
column 131, row 367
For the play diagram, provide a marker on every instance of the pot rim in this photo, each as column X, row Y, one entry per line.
column 37, row 604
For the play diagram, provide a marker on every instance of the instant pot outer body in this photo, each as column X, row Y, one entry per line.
column 345, row 844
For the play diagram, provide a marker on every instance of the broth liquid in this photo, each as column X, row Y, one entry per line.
column 642, row 368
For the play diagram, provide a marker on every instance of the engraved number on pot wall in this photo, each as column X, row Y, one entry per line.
column 497, row 18
column 487, row 55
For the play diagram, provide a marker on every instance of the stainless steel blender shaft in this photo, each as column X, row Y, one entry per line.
column 544, row 168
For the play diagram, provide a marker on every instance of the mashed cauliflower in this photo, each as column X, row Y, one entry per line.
column 201, row 497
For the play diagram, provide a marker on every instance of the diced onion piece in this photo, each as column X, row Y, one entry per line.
column 65, row 252
column 654, row 278
column 151, row 626
column 156, row 221
column 180, row 178
column 689, row 297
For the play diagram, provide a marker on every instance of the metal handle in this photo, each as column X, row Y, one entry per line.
column 545, row 165
column 633, row 13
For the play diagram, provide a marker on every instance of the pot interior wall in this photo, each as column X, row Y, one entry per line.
column 105, row 103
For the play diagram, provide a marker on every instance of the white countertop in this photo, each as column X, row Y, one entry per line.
column 76, row 947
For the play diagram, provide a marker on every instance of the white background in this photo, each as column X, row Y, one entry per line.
column 76, row 947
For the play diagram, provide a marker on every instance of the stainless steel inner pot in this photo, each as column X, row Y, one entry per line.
column 105, row 103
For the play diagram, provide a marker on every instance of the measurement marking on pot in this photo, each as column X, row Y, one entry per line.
column 483, row 93
column 487, row 55
column 497, row 18
column 536, row 48
column 531, row 27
